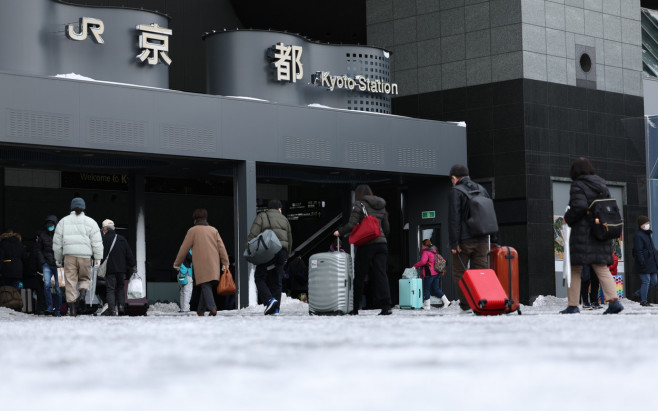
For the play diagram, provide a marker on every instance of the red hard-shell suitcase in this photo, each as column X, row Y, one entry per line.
column 505, row 262
column 484, row 293
column 135, row 306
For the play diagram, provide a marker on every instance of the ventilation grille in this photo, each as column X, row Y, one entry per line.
column 417, row 158
column 34, row 125
column 306, row 149
column 364, row 153
column 188, row 139
column 131, row 133
column 372, row 67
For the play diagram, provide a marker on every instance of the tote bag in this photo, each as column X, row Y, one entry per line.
column 365, row 231
column 226, row 284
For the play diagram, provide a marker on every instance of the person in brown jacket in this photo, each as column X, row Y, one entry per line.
column 208, row 252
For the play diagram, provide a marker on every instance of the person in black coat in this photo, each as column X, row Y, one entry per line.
column 120, row 260
column 47, row 265
column 646, row 260
column 12, row 254
column 465, row 247
column 584, row 248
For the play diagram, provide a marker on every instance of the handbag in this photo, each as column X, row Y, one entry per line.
column 365, row 231
column 262, row 248
column 226, row 284
column 102, row 269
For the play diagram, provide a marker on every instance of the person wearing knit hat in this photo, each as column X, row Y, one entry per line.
column 646, row 260
column 78, row 203
column 76, row 240
column 108, row 223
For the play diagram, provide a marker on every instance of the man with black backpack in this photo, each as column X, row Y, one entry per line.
column 471, row 221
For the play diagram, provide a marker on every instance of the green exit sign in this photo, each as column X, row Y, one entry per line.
column 429, row 214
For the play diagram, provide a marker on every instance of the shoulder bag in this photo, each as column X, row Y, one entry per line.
column 365, row 231
column 102, row 269
column 262, row 248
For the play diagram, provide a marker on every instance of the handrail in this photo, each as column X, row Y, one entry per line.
column 316, row 235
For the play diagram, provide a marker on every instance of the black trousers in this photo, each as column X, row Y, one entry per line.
column 268, row 281
column 370, row 263
column 114, row 283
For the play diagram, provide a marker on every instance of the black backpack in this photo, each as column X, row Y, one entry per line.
column 605, row 219
column 481, row 218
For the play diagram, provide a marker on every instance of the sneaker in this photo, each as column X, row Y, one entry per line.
column 108, row 313
column 570, row 310
column 276, row 312
column 634, row 297
column 614, row 307
column 353, row 312
column 596, row 307
column 645, row 304
column 588, row 306
column 271, row 306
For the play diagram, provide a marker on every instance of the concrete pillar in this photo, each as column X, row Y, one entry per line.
column 138, row 227
column 244, row 209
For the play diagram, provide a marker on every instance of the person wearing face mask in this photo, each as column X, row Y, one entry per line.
column 646, row 260
column 48, row 266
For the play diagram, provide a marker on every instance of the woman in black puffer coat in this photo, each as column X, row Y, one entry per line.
column 584, row 247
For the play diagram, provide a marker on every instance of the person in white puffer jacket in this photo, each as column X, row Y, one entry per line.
column 77, row 238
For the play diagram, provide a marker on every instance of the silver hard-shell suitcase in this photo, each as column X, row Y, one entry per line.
column 330, row 277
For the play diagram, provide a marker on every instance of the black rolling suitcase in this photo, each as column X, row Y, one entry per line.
column 134, row 306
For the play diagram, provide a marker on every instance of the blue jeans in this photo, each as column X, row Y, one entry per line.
column 431, row 286
column 648, row 281
column 48, row 271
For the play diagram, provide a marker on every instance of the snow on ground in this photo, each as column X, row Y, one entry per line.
column 242, row 360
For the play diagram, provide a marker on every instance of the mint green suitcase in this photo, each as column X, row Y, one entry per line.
column 411, row 293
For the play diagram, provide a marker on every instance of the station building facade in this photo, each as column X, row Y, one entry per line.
column 537, row 82
column 88, row 110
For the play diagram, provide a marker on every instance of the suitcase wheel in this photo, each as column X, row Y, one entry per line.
column 482, row 304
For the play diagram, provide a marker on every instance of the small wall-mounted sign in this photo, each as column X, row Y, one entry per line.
column 428, row 214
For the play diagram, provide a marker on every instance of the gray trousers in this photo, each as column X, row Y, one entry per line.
column 206, row 298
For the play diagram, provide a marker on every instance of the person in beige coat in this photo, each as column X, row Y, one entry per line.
column 208, row 252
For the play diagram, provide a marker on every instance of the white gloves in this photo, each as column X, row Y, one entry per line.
column 97, row 263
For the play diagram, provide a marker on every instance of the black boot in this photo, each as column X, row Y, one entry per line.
column 73, row 311
column 83, row 295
